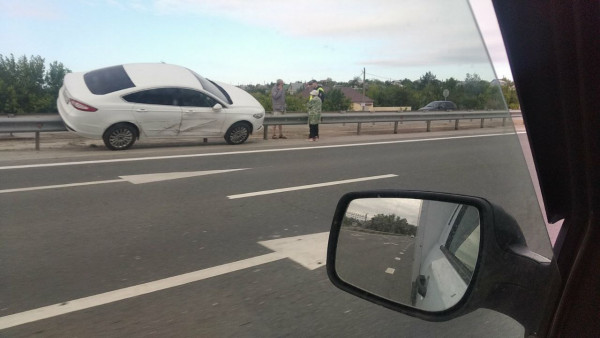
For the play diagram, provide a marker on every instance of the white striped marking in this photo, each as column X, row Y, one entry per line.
column 60, row 164
column 310, row 186
column 308, row 250
column 390, row 271
column 134, row 179
column 132, row 291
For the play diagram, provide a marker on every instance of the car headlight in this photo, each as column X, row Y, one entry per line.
column 258, row 116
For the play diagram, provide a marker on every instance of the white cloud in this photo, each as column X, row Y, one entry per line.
column 37, row 9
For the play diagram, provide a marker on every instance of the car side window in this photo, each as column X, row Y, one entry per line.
column 462, row 245
column 160, row 96
column 194, row 98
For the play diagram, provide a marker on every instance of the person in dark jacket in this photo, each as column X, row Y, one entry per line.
column 314, row 85
column 278, row 100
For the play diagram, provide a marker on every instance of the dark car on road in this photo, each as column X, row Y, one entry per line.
column 439, row 106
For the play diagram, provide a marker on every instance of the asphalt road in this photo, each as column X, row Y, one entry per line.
column 62, row 242
column 377, row 262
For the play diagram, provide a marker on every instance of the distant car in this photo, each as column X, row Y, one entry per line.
column 123, row 103
column 440, row 106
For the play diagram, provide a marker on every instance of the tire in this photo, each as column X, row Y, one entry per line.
column 120, row 136
column 238, row 133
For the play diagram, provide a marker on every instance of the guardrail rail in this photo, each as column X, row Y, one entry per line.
column 396, row 117
column 53, row 123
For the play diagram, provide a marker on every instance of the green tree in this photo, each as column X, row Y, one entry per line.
column 26, row 87
column 510, row 94
column 336, row 101
column 54, row 78
column 295, row 103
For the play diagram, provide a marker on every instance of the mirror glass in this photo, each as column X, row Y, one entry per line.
column 414, row 252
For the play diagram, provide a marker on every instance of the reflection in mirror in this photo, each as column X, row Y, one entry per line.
column 414, row 252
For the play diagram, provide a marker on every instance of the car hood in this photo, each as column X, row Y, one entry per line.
column 240, row 97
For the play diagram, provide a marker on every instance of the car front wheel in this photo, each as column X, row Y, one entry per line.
column 120, row 136
column 238, row 133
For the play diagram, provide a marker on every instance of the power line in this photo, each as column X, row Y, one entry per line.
column 382, row 77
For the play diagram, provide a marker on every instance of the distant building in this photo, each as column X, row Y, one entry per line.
column 356, row 97
column 359, row 102
column 498, row 82
column 293, row 88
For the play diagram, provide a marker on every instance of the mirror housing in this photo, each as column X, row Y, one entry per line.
column 507, row 274
column 217, row 107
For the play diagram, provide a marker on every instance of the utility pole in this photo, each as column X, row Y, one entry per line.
column 364, row 87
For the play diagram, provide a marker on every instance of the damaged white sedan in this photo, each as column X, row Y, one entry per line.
column 122, row 103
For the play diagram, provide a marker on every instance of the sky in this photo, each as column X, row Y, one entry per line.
column 401, row 207
column 259, row 41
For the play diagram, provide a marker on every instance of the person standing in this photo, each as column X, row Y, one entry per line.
column 313, row 84
column 314, row 115
column 278, row 100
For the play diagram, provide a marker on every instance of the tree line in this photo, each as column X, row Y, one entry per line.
column 392, row 224
column 27, row 86
column 472, row 93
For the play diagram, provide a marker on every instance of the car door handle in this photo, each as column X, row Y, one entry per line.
column 141, row 110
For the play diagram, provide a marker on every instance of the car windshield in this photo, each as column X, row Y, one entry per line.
column 200, row 238
column 213, row 88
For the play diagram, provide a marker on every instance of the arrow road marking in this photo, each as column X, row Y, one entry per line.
column 308, row 250
column 310, row 186
column 134, row 179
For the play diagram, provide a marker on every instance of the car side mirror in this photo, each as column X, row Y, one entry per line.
column 217, row 107
column 437, row 256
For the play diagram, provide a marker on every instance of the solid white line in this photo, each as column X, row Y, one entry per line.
column 133, row 291
column 243, row 152
column 310, row 186
column 5, row 191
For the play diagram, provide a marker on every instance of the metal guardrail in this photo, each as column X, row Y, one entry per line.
column 31, row 124
column 53, row 123
column 359, row 118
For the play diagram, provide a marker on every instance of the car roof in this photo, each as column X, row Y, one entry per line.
column 161, row 74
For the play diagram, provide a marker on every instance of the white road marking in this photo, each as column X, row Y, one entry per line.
column 308, row 250
column 60, row 164
column 134, row 179
column 390, row 271
column 310, row 186
column 149, row 178
column 6, row 191
column 398, row 258
column 130, row 292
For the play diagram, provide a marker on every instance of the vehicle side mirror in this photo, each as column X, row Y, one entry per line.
column 217, row 107
column 436, row 256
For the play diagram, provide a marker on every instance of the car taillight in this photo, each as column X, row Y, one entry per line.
column 82, row 106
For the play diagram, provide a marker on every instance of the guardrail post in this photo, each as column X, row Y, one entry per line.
column 428, row 125
column 456, row 124
column 481, row 123
column 266, row 133
column 358, row 128
column 504, row 121
column 37, row 140
column 396, row 127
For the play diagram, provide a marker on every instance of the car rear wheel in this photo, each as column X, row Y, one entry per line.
column 238, row 133
column 120, row 136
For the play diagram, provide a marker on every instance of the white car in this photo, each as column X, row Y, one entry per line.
column 123, row 103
